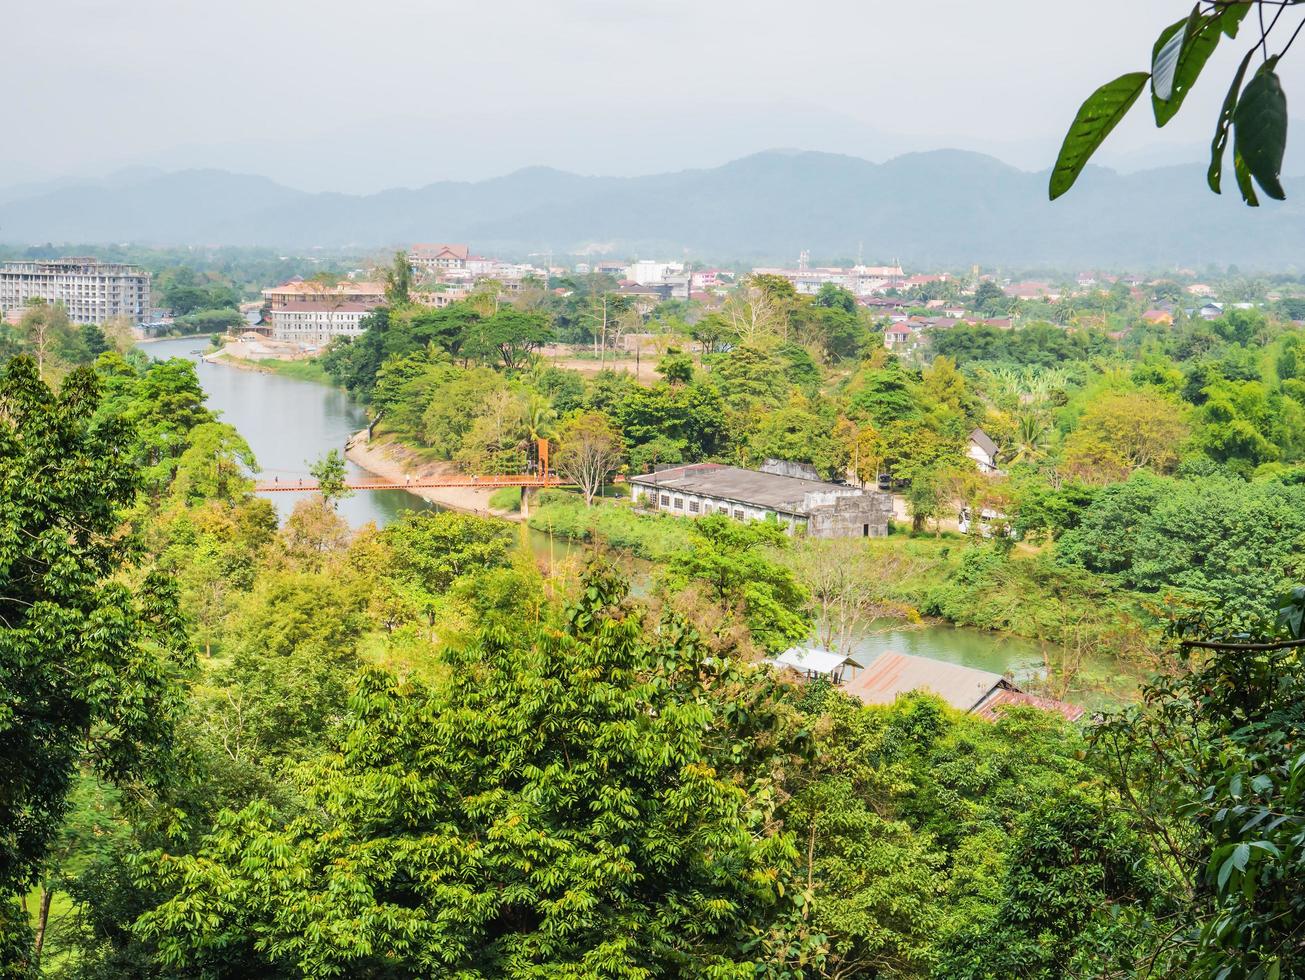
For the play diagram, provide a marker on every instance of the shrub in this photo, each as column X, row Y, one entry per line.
column 652, row 536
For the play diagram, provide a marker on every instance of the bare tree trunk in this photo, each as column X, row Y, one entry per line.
column 811, row 862
column 41, row 332
column 602, row 351
column 42, row 920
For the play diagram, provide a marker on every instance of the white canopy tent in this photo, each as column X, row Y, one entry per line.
column 813, row 662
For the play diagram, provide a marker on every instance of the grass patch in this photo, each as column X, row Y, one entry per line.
column 409, row 651
column 506, row 498
column 309, row 370
column 651, row 536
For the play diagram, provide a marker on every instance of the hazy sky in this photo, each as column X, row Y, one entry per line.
column 357, row 96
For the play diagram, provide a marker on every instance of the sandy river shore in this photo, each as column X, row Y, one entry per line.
column 392, row 461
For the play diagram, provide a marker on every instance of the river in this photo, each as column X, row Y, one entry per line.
column 290, row 424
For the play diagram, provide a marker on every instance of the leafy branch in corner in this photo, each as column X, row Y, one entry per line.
column 1255, row 111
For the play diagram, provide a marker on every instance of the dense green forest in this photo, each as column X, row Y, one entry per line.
column 230, row 748
column 1160, row 466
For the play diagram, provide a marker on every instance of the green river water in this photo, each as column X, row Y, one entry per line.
column 289, row 424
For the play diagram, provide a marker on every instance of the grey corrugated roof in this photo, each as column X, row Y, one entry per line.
column 984, row 442
column 891, row 674
column 768, row 490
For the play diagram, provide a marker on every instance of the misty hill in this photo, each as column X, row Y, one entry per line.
column 945, row 207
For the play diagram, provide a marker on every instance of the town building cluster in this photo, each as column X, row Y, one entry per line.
column 445, row 273
column 663, row 280
column 311, row 314
column 859, row 280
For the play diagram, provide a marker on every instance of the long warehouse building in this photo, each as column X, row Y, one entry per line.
column 826, row 510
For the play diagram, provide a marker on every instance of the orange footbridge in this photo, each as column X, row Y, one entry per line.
column 539, row 480
column 489, row 482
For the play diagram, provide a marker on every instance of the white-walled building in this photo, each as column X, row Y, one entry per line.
column 653, row 273
column 434, row 257
column 826, row 510
column 312, row 313
column 859, row 280
column 90, row 290
column 317, row 324
column 983, row 451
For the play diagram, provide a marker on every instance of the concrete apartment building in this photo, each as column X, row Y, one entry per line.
column 430, row 258
column 859, row 280
column 90, row 290
column 827, row 510
column 312, row 314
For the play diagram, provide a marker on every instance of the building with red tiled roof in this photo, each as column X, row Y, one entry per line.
column 314, row 291
column 433, row 257
column 313, row 313
column 1032, row 290
column 899, row 337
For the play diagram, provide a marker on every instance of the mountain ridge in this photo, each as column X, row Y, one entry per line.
column 935, row 207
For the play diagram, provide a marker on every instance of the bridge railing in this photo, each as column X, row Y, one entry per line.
column 488, row 481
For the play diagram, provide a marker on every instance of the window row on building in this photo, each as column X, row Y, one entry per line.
column 666, row 501
column 91, row 291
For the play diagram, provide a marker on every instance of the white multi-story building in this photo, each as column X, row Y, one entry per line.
column 312, row 314
column 317, row 324
column 651, row 273
column 427, row 258
column 90, row 290
column 860, row 280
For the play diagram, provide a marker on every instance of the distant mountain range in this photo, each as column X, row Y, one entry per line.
column 941, row 208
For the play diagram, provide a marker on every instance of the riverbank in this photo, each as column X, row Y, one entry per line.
column 140, row 341
column 394, row 461
column 300, row 370
column 940, row 579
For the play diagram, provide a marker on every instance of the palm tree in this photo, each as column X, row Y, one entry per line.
column 1032, row 436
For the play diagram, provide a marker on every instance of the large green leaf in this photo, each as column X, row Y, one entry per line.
column 1180, row 55
column 1096, row 118
column 1244, row 184
column 1220, row 143
column 1260, row 129
column 1232, row 16
column 1164, row 59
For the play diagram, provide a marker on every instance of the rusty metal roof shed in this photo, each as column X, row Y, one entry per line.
column 892, row 674
column 999, row 701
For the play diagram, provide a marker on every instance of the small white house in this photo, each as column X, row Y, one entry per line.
column 983, row 451
column 899, row 336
